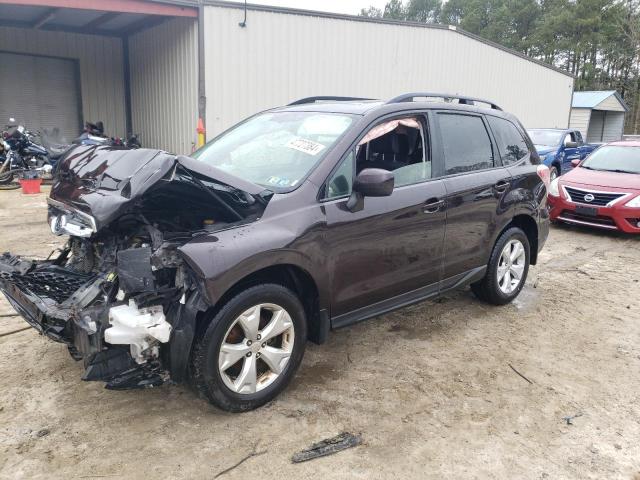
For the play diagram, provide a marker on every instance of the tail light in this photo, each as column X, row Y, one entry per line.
column 545, row 174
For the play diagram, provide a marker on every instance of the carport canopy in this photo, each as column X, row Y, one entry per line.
column 95, row 17
column 52, row 97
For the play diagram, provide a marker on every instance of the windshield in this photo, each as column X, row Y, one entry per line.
column 549, row 138
column 614, row 159
column 276, row 150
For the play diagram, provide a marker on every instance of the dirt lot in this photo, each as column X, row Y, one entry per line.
column 430, row 387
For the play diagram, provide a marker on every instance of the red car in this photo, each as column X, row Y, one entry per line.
column 602, row 191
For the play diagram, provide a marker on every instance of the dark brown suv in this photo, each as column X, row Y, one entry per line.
column 299, row 220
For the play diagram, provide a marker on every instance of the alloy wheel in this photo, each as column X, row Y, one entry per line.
column 511, row 266
column 256, row 348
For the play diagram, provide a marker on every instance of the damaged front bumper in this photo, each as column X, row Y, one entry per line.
column 123, row 343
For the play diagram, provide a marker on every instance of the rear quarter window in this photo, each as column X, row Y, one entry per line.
column 510, row 142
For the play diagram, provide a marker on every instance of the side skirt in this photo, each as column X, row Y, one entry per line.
column 408, row 298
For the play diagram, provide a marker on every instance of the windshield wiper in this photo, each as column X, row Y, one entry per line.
column 623, row 171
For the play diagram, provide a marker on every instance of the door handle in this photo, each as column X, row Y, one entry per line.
column 501, row 186
column 432, row 205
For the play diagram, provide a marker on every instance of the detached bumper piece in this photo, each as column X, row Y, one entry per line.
column 65, row 306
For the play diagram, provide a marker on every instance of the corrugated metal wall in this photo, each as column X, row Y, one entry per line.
column 164, row 85
column 280, row 57
column 613, row 127
column 580, row 120
column 595, row 126
column 101, row 69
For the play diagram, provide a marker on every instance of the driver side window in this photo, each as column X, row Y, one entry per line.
column 396, row 145
column 568, row 139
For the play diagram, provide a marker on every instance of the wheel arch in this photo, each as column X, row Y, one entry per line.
column 529, row 226
column 289, row 275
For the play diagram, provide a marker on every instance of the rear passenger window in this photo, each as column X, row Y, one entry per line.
column 466, row 143
column 511, row 144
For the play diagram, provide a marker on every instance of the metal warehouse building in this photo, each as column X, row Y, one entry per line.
column 156, row 67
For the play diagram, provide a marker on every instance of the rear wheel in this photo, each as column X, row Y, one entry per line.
column 251, row 349
column 507, row 269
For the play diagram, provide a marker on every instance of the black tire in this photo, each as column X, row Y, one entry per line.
column 6, row 178
column 205, row 374
column 488, row 288
column 554, row 172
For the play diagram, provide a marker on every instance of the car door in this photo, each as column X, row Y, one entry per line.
column 570, row 153
column 583, row 150
column 476, row 184
column 390, row 247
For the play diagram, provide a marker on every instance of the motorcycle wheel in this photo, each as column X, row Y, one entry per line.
column 7, row 177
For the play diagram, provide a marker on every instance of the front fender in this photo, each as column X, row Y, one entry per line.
column 223, row 259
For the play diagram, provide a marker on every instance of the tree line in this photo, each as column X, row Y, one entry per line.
column 597, row 41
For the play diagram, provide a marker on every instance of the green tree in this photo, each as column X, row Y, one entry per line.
column 426, row 11
column 371, row 12
column 395, row 10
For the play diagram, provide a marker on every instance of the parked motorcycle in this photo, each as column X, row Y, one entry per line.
column 93, row 134
column 22, row 153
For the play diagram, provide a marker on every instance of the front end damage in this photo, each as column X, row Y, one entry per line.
column 120, row 294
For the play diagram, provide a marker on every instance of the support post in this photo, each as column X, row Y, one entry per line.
column 202, row 98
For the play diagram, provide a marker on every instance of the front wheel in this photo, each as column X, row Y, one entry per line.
column 251, row 349
column 507, row 269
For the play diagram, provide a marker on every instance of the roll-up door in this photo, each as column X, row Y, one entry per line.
column 41, row 93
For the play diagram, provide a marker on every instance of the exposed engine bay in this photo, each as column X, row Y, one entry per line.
column 120, row 294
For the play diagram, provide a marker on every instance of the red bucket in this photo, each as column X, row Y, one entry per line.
column 31, row 185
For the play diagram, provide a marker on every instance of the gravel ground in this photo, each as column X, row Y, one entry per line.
column 432, row 388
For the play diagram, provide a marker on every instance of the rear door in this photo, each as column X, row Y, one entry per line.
column 476, row 185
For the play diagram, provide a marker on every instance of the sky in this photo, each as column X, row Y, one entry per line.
column 351, row 7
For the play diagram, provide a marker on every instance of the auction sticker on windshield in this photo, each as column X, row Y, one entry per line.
column 305, row 146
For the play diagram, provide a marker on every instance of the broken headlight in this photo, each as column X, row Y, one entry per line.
column 65, row 221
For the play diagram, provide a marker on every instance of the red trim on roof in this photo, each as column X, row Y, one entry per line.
column 120, row 6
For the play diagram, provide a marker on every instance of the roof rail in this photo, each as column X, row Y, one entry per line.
column 302, row 101
column 408, row 97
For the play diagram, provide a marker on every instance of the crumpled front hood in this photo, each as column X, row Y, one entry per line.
column 105, row 181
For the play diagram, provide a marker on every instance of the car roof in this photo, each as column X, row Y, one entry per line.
column 364, row 107
column 359, row 107
column 625, row 143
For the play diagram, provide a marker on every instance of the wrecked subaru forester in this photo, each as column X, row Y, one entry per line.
column 218, row 267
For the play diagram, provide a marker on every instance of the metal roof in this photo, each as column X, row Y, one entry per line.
column 593, row 98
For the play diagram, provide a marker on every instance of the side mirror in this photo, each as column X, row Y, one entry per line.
column 575, row 162
column 571, row 145
column 370, row 182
